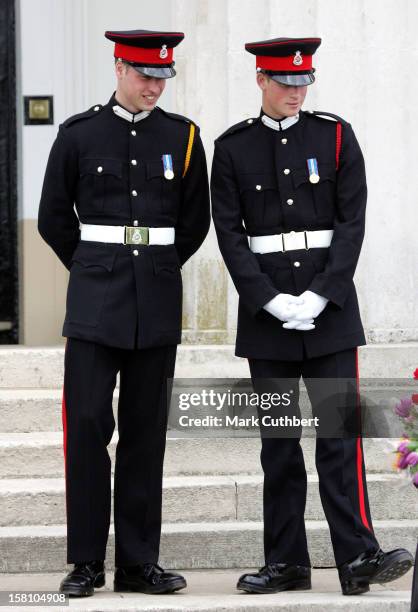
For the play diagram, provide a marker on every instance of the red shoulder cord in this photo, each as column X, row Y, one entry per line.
column 337, row 144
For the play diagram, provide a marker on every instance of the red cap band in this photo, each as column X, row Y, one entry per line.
column 144, row 56
column 267, row 62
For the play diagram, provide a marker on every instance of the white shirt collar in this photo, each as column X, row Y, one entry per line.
column 131, row 117
column 283, row 124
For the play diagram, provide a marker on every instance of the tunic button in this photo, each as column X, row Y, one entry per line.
column 99, row 169
column 289, row 201
column 96, row 108
column 133, row 162
column 134, row 192
column 136, row 223
column 284, row 140
column 135, row 252
column 258, row 187
column 250, row 120
column 133, row 132
column 286, row 171
column 297, row 264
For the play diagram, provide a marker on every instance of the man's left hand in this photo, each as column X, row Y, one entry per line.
column 312, row 306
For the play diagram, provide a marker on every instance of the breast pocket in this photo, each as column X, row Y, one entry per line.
column 101, row 185
column 163, row 193
column 260, row 200
column 90, row 278
column 321, row 195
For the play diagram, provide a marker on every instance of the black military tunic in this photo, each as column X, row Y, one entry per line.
column 112, row 170
column 260, row 186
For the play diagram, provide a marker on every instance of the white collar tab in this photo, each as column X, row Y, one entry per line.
column 283, row 124
column 131, row 117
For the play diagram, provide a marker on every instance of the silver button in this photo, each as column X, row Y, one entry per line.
column 289, row 201
column 297, row 264
column 286, row 171
column 96, row 108
column 99, row 169
column 133, row 132
column 310, row 112
column 258, row 187
column 134, row 192
column 133, row 162
column 284, row 140
column 135, row 252
column 250, row 120
column 136, row 223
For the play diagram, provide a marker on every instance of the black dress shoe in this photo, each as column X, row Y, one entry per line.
column 276, row 577
column 83, row 579
column 147, row 578
column 376, row 567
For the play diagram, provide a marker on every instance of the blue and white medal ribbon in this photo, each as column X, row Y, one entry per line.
column 168, row 166
column 313, row 170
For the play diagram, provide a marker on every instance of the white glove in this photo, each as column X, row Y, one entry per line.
column 313, row 305
column 305, row 325
column 283, row 306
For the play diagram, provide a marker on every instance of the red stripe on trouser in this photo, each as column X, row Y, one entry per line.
column 360, row 459
column 64, row 432
column 64, row 414
column 64, row 425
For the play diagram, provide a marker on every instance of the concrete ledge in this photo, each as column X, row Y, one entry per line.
column 41, row 501
column 188, row 545
column 214, row 591
column 42, row 367
column 40, row 454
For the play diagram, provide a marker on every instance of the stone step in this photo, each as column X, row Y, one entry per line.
column 214, row 591
column 30, row 410
column 229, row 544
column 40, row 454
column 41, row 501
column 42, row 367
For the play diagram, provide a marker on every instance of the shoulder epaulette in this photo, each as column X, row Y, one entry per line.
column 326, row 116
column 175, row 116
column 238, row 127
column 91, row 112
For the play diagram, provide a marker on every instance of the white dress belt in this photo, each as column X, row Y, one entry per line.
column 290, row 241
column 116, row 234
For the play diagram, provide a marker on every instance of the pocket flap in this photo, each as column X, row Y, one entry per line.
column 257, row 182
column 94, row 255
column 168, row 261
column 155, row 169
column 326, row 173
column 100, row 167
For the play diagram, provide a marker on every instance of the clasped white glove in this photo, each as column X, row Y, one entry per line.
column 284, row 307
column 312, row 306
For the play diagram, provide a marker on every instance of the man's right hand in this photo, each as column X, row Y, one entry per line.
column 284, row 306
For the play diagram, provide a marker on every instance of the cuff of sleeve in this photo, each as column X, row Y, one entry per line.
column 255, row 307
column 334, row 291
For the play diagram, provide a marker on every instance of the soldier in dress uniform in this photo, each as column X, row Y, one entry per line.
column 289, row 199
column 125, row 203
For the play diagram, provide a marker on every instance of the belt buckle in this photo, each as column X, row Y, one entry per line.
column 136, row 235
column 293, row 240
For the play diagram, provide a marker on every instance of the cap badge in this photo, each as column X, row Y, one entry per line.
column 163, row 52
column 298, row 59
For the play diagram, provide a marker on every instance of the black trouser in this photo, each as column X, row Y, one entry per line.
column 339, row 461
column 89, row 381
